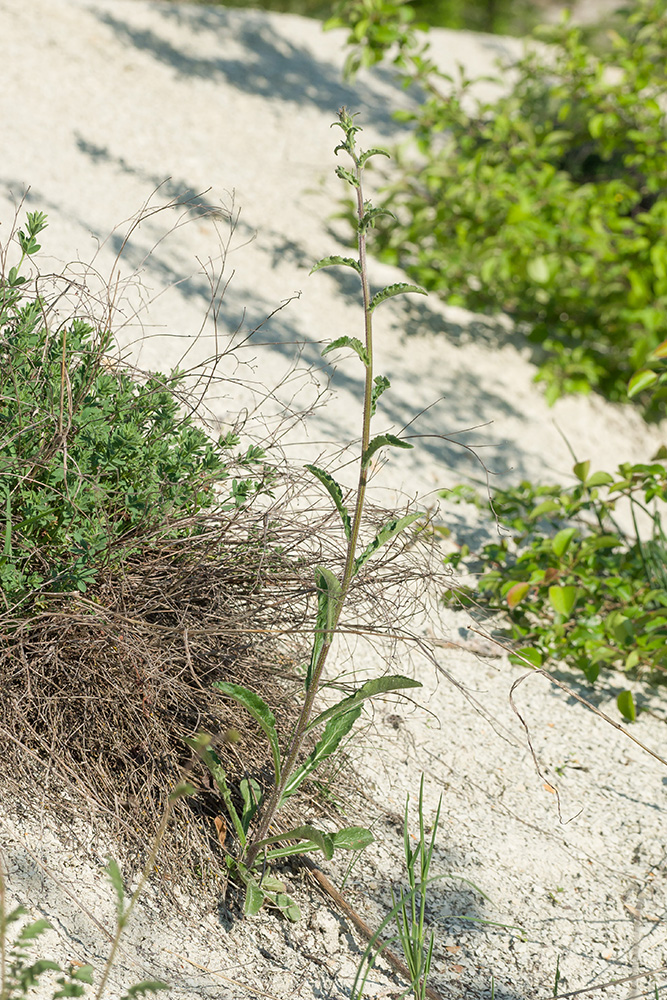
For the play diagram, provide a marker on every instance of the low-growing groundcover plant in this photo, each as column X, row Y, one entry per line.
column 253, row 847
column 570, row 584
column 549, row 202
column 93, row 461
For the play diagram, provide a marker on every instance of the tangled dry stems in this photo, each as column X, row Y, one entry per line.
column 98, row 691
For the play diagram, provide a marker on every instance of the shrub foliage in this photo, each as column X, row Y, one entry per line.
column 549, row 202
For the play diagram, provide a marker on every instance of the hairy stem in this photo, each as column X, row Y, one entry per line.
column 269, row 810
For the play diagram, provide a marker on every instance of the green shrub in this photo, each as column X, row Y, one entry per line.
column 549, row 202
column 91, row 459
column 570, row 584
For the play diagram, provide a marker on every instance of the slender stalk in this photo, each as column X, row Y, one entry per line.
column 269, row 810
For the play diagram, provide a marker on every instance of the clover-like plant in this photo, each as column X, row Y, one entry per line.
column 253, row 823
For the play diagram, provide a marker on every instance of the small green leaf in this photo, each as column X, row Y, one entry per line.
column 334, row 260
column 334, row 732
column 390, row 530
column 563, row 599
column 659, row 352
column 529, row 653
column 254, row 898
column 336, row 494
column 377, row 685
column 399, row 288
column 561, row 541
column 367, row 220
column 322, row 841
column 599, row 479
column 581, row 470
column 372, row 152
column 353, row 838
column 383, row 441
column 34, row 930
column 347, row 175
column 84, row 974
column 352, row 342
column 260, row 712
column 147, row 986
column 626, row 706
column 546, row 507
column 281, row 901
column 328, row 592
column 516, row 594
column 381, row 384
column 182, row 791
column 641, row 380
column 113, row 873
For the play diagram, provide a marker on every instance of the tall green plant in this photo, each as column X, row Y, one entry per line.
column 253, row 822
column 549, row 202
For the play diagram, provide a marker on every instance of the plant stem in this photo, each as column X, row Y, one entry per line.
column 269, row 810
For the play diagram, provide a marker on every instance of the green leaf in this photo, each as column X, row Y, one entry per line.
column 516, row 594
column 367, row 220
column 334, row 260
column 529, row 653
column 383, row 441
column 381, row 384
column 260, row 712
column 328, row 593
column 377, row 685
column 563, row 599
column 546, row 507
column 626, row 706
column 347, row 175
column 599, row 479
column 581, row 470
column 334, row 732
column 217, row 771
column 641, row 380
column 399, row 288
column 352, row 342
column 251, row 794
column 372, row 152
column 254, row 898
column 281, row 901
column 182, row 791
column 147, row 986
column 390, row 530
column 34, row 930
column 352, row 838
column 659, row 352
column 336, row 494
column 113, row 873
column 317, row 838
column 561, row 541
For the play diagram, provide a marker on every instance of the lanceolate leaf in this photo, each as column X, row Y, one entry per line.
column 217, row 772
column 370, row 215
column 314, row 839
column 377, row 685
column 381, row 383
column 335, row 730
column 336, row 494
column 254, row 898
column 389, row 531
column 352, row 342
column 352, row 838
column 328, row 591
column 372, row 152
column 516, row 594
column 260, row 712
column 398, row 289
column 383, row 441
column 641, row 380
column 626, row 706
column 347, row 175
column 334, row 260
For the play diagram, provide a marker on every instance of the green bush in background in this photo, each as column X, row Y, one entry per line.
column 92, row 461
column 548, row 203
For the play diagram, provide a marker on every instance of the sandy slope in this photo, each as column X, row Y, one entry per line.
column 101, row 102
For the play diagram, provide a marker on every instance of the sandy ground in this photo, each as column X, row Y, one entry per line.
column 103, row 102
